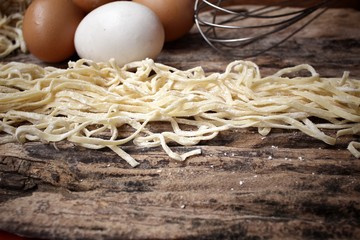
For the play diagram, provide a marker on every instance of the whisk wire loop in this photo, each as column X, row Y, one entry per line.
column 235, row 29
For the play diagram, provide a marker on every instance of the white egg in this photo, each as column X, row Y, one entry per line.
column 125, row 31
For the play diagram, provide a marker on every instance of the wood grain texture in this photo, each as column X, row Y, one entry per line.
column 244, row 186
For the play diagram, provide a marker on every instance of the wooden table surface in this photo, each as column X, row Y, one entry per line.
column 244, row 186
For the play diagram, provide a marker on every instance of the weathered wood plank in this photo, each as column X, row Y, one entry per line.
column 233, row 190
column 243, row 186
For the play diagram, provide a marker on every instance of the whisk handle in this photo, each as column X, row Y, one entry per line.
column 335, row 4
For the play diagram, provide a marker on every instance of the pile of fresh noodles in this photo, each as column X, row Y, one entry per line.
column 88, row 103
column 11, row 17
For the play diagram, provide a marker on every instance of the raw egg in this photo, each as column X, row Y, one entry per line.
column 89, row 5
column 177, row 16
column 123, row 30
column 49, row 27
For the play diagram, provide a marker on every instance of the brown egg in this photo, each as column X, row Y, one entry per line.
column 49, row 27
column 89, row 5
column 177, row 16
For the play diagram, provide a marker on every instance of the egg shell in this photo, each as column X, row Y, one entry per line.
column 125, row 31
column 49, row 27
column 177, row 16
column 89, row 5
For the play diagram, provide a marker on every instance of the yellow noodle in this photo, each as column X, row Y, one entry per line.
column 11, row 17
column 88, row 103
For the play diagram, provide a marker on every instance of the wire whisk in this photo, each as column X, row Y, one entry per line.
column 248, row 31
